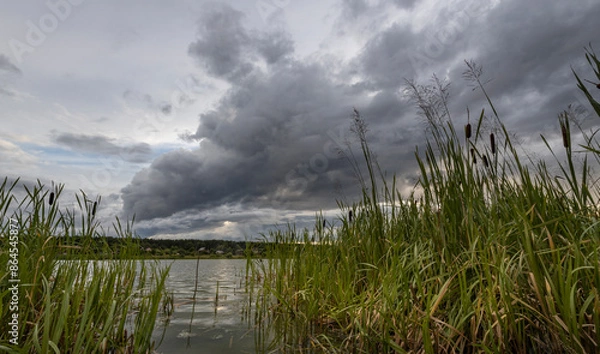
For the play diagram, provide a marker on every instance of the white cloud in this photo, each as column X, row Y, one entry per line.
column 12, row 155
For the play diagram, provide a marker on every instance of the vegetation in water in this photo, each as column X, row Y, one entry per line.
column 492, row 252
column 54, row 298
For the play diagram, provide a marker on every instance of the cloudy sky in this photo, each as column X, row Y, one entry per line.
column 221, row 119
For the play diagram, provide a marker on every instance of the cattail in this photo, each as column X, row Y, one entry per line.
column 485, row 161
column 493, row 143
column 593, row 83
column 324, row 223
column 473, row 155
column 51, row 198
column 350, row 216
column 565, row 135
column 468, row 131
column 94, row 208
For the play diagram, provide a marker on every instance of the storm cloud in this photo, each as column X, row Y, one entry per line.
column 272, row 142
column 226, row 49
column 269, row 141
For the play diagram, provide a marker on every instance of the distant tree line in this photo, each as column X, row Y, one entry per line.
column 109, row 247
column 203, row 248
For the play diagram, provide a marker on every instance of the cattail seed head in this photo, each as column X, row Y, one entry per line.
column 51, row 198
column 493, row 143
column 565, row 135
column 94, row 208
column 468, row 131
column 485, row 161
column 350, row 216
column 473, row 156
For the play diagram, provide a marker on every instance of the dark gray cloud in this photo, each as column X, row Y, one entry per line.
column 271, row 143
column 268, row 143
column 185, row 179
column 386, row 58
column 274, row 46
column 226, row 49
column 222, row 43
column 6, row 65
column 101, row 145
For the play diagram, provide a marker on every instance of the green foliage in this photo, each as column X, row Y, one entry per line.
column 68, row 302
column 110, row 247
column 192, row 248
column 490, row 253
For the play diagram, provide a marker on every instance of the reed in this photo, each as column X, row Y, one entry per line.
column 496, row 257
column 73, row 297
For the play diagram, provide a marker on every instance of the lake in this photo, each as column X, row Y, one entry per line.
column 218, row 324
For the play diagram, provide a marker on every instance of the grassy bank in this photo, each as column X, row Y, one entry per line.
column 493, row 251
column 51, row 300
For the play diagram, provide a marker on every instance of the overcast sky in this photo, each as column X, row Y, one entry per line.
column 221, row 119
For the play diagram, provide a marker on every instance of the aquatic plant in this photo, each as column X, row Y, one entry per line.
column 72, row 294
column 496, row 257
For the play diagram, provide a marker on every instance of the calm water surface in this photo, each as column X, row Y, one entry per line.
column 216, row 326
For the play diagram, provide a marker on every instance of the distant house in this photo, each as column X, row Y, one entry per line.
column 202, row 249
column 148, row 249
column 219, row 252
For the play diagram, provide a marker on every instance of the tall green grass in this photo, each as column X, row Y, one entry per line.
column 74, row 296
column 492, row 252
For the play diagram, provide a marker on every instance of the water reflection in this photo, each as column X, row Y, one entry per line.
column 214, row 322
